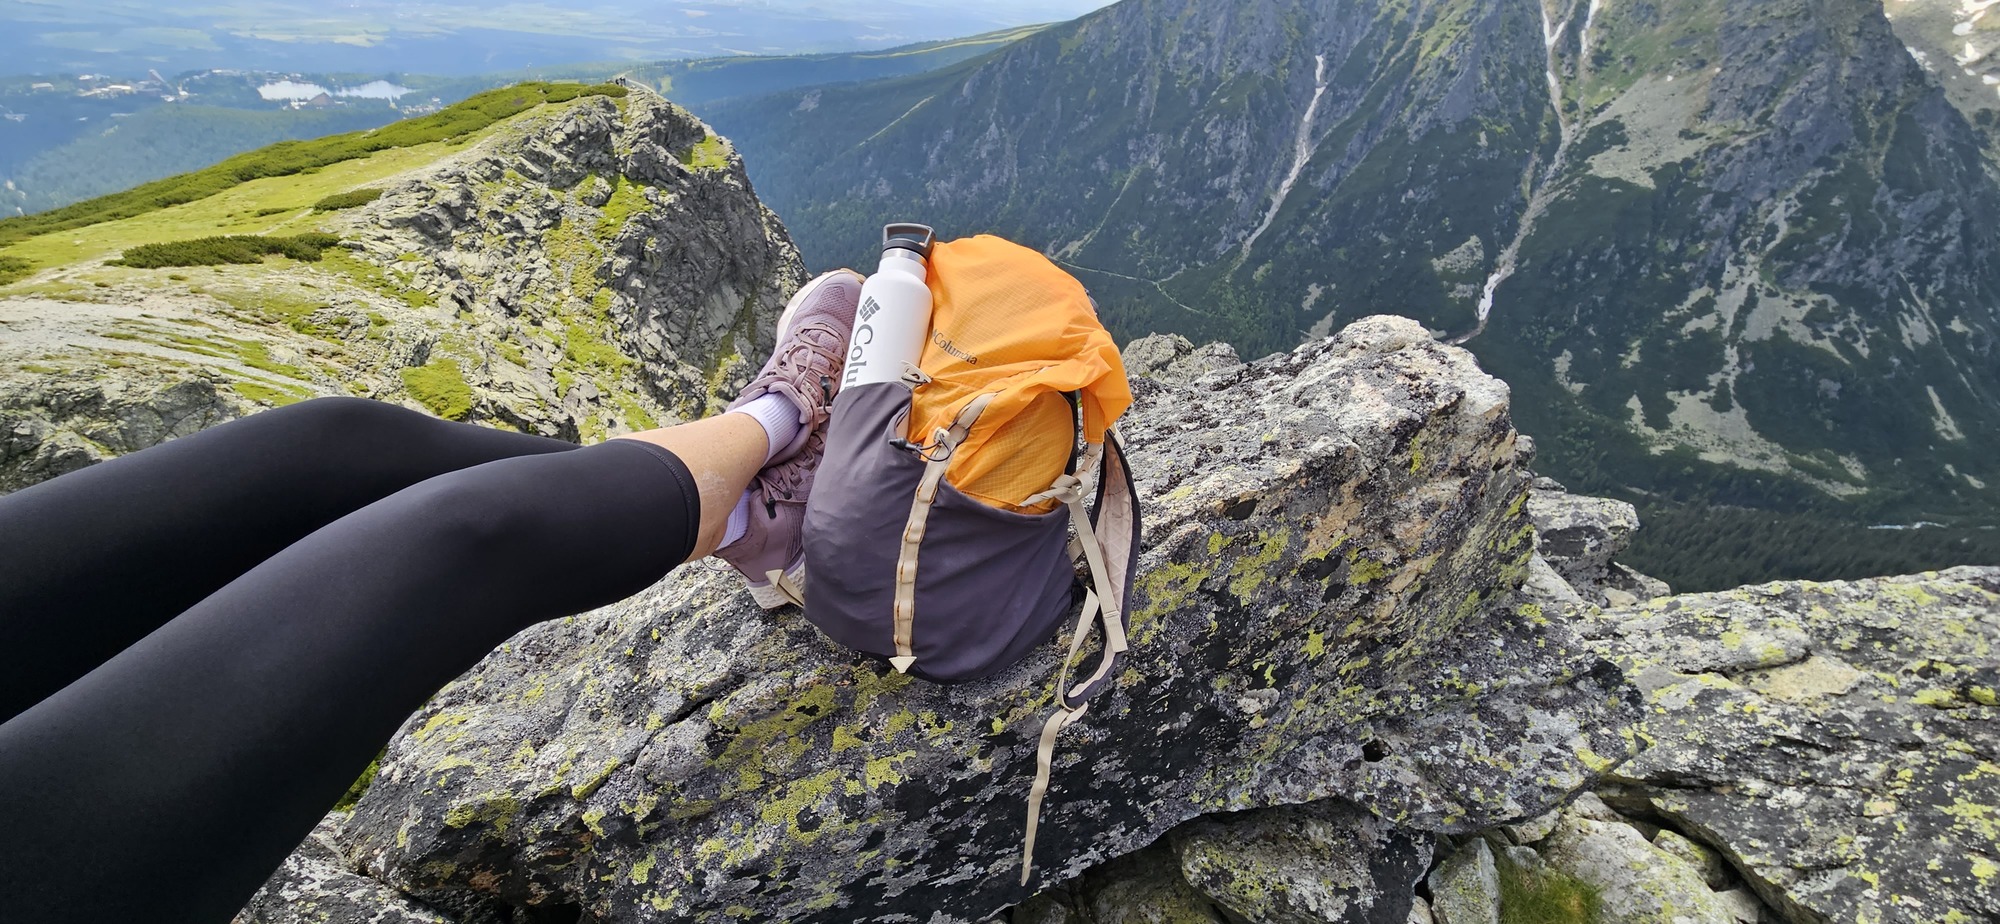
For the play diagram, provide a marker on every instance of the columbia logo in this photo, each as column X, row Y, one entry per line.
column 868, row 309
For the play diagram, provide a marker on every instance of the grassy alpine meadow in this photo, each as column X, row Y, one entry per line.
column 455, row 123
column 272, row 205
column 280, row 190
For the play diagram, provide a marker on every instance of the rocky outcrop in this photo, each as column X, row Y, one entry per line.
column 623, row 223
column 1838, row 743
column 1324, row 612
column 1808, row 752
column 1465, row 889
column 1577, row 537
column 583, row 269
column 1818, row 753
column 1638, row 882
column 52, row 426
column 1954, row 42
column 1174, row 359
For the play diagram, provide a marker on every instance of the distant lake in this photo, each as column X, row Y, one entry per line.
column 288, row 90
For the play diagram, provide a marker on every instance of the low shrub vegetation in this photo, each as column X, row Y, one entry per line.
column 441, row 387
column 234, row 248
column 288, row 158
column 1544, row 896
column 14, row 269
column 347, row 200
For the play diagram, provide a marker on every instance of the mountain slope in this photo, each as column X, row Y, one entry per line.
column 1730, row 248
column 592, row 261
column 704, row 80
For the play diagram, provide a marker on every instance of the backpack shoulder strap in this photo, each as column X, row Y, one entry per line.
column 1110, row 543
column 938, row 458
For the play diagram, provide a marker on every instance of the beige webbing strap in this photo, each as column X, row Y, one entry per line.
column 1099, row 604
column 1045, row 754
column 944, row 444
column 1108, row 602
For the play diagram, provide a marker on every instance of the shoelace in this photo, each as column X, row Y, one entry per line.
column 787, row 483
column 814, row 350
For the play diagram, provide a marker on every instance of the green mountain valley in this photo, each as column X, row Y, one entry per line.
column 1735, row 255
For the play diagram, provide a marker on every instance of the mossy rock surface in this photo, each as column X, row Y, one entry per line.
column 1836, row 742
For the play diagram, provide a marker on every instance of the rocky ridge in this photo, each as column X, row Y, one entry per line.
column 1810, row 753
column 1954, row 42
column 1326, row 612
column 581, row 269
column 1803, row 752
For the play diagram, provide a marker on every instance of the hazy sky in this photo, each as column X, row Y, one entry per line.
column 472, row 36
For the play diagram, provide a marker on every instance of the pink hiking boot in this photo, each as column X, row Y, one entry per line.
column 805, row 368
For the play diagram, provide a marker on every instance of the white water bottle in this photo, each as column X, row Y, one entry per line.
column 894, row 318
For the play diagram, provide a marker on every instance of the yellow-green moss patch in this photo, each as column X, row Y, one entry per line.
column 440, row 386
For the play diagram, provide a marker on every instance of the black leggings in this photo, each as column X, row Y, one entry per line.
column 203, row 644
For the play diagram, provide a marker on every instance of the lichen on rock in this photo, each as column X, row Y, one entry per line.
column 1836, row 742
column 1325, row 861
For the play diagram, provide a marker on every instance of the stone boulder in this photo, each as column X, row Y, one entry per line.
column 1324, row 609
column 1637, row 882
column 1578, row 536
column 1143, row 888
column 1309, row 864
column 1838, row 743
column 1465, row 888
column 1175, row 359
column 51, row 425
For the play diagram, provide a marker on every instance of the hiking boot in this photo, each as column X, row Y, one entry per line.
column 805, row 368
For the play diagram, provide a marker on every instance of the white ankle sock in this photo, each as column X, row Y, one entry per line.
column 780, row 419
column 739, row 521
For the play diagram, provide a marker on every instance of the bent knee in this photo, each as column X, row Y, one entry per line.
column 462, row 512
column 352, row 429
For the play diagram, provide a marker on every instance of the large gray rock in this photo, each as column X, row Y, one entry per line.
column 1465, row 888
column 55, row 424
column 1144, row 888
column 1579, row 535
column 1637, row 882
column 1839, row 743
column 1324, row 863
column 1322, row 611
column 1174, row 359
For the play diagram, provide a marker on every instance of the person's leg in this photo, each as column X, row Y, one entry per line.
column 727, row 451
column 92, row 561
column 168, row 783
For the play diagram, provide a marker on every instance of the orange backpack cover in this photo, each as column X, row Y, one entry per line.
column 999, row 312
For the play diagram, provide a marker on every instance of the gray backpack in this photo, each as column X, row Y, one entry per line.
column 948, row 524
